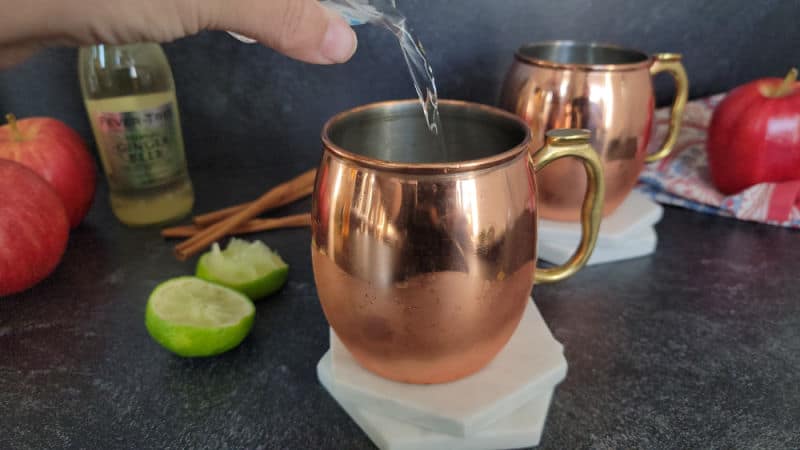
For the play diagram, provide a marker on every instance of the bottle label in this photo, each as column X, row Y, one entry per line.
column 142, row 148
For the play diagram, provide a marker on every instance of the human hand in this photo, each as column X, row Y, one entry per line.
column 301, row 29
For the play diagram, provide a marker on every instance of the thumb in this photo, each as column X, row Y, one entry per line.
column 301, row 29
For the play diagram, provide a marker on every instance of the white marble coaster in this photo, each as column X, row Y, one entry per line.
column 522, row 428
column 636, row 214
column 531, row 362
column 642, row 244
column 625, row 234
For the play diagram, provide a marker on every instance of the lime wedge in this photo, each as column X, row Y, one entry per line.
column 248, row 267
column 192, row 317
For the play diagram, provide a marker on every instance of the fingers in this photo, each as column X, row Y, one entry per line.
column 301, row 29
column 84, row 22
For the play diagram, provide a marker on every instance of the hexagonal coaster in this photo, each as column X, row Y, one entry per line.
column 625, row 234
column 636, row 214
column 521, row 428
column 531, row 362
column 642, row 244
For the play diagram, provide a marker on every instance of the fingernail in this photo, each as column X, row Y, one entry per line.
column 340, row 40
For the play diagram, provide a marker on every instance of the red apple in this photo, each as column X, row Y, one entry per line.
column 58, row 154
column 34, row 228
column 754, row 135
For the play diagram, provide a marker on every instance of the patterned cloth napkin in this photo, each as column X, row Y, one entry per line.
column 682, row 179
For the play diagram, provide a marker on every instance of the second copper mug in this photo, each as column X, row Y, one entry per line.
column 604, row 88
column 424, row 261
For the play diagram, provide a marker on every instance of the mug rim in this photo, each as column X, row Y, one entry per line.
column 645, row 62
column 427, row 168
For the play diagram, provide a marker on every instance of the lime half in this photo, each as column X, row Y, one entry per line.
column 251, row 268
column 192, row 317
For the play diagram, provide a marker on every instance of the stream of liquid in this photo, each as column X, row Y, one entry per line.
column 421, row 74
column 384, row 13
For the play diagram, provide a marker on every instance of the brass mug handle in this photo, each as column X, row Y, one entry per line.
column 574, row 142
column 671, row 63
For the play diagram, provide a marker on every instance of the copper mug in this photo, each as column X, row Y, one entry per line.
column 604, row 88
column 424, row 265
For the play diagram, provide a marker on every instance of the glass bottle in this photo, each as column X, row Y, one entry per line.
column 129, row 94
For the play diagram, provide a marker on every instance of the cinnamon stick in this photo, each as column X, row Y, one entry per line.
column 207, row 236
column 251, row 226
column 204, row 220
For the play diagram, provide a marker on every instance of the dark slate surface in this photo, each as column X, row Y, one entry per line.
column 696, row 346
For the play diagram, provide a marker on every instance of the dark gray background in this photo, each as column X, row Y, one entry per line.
column 232, row 95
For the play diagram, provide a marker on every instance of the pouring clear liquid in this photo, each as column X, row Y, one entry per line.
column 384, row 13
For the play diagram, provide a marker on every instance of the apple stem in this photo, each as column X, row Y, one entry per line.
column 12, row 122
column 786, row 85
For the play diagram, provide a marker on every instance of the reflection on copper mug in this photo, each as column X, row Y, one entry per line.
column 424, row 265
column 603, row 88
